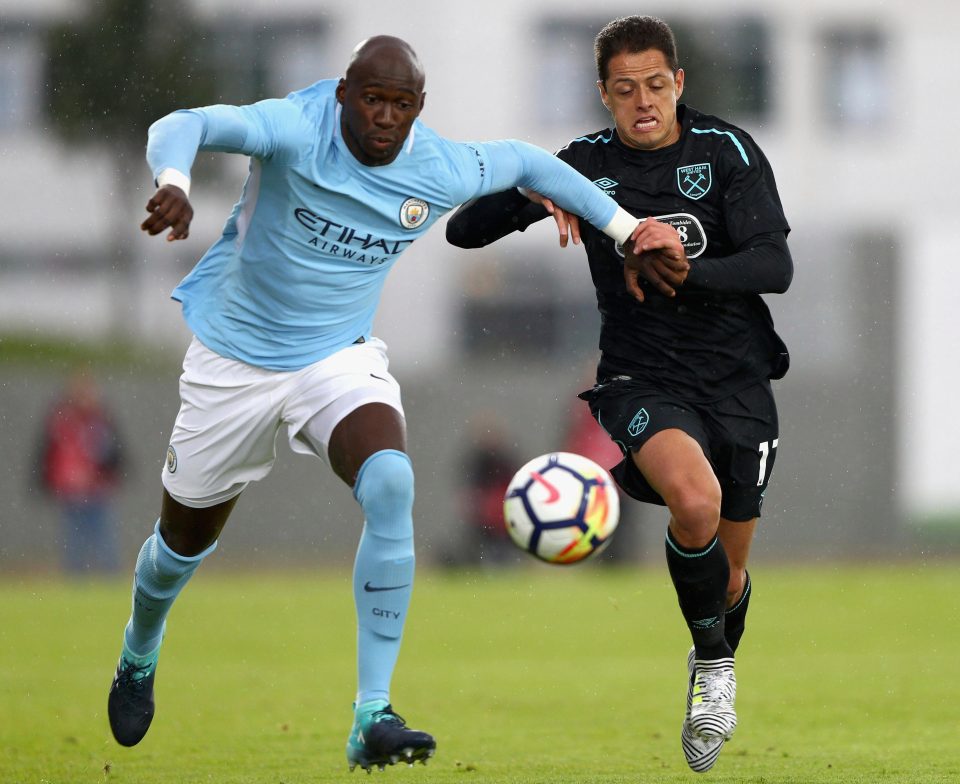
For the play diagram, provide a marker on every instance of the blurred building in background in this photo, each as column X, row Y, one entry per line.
column 854, row 104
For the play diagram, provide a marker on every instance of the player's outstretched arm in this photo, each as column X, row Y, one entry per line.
column 569, row 190
column 268, row 128
column 511, row 163
column 763, row 265
column 482, row 221
column 172, row 144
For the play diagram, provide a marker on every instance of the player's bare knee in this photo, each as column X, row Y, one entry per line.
column 696, row 516
column 187, row 541
column 189, row 531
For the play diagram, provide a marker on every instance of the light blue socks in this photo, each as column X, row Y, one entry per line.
column 159, row 576
column 383, row 570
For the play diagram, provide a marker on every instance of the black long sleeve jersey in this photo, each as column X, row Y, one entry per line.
column 715, row 186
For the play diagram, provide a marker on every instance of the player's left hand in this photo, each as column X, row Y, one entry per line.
column 568, row 224
column 655, row 253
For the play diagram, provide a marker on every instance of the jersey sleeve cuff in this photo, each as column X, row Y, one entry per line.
column 174, row 177
column 621, row 226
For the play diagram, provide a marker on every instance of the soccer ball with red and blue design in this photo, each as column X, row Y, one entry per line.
column 561, row 507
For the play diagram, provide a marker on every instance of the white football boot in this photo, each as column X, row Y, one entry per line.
column 712, row 714
column 700, row 753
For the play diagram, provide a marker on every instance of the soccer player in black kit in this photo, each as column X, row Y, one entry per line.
column 687, row 344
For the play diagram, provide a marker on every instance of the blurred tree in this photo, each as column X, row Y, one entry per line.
column 126, row 63
column 112, row 71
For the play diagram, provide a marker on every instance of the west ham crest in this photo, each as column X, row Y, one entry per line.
column 639, row 422
column 694, row 181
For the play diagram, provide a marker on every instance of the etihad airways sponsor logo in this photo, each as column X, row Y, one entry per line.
column 346, row 241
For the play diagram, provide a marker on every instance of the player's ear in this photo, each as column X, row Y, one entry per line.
column 678, row 79
column 423, row 100
column 603, row 94
column 341, row 87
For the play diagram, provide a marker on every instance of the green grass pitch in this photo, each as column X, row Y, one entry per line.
column 847, row 673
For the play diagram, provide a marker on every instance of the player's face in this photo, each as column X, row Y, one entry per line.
column 379, row 106
column 641, row 93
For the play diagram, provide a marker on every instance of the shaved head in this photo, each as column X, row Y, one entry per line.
column 382, row 95
column 388, row 55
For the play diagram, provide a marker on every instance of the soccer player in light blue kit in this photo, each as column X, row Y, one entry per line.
column 343, row 177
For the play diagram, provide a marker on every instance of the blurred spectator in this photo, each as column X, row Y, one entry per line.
column 585, row 437
column 79, row 466
column 488, row 465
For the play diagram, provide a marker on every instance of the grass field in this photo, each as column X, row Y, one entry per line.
column 848, row 673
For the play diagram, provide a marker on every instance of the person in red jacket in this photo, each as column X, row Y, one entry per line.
column 487, row 465
column 80, row 462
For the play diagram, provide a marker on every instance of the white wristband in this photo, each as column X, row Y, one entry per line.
column 174, row 177
column 621, row 225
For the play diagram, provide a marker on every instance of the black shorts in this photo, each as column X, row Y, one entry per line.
column 738, row 434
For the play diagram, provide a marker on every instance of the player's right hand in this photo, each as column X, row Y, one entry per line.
column 169, row 208
column 654, row 252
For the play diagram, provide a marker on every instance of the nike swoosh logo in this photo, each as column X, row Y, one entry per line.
column 373, row 588
column 381, row 378
column 554, row 493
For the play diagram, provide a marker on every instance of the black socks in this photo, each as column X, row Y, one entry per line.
column 736, row 617
column 700, row 578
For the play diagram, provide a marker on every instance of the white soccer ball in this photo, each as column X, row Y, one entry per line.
column 561, row 508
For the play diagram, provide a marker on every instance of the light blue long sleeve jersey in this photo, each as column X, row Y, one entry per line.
column 298, row 270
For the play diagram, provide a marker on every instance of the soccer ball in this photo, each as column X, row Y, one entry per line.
column 561, row 508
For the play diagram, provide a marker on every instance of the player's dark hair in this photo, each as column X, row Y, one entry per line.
column 633, row 34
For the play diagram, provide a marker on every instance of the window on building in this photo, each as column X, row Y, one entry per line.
column 837, row 315
column 519, row 306
column 253, row 60
column 566, row 88
column 728, row 66
column 855, row 77
column 257, row 60
column 21, row 67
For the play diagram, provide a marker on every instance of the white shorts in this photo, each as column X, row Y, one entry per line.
column 230, row 412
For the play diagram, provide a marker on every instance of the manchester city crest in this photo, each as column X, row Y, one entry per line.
column 413, row 213
column 695, row 180
column 171, row 459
